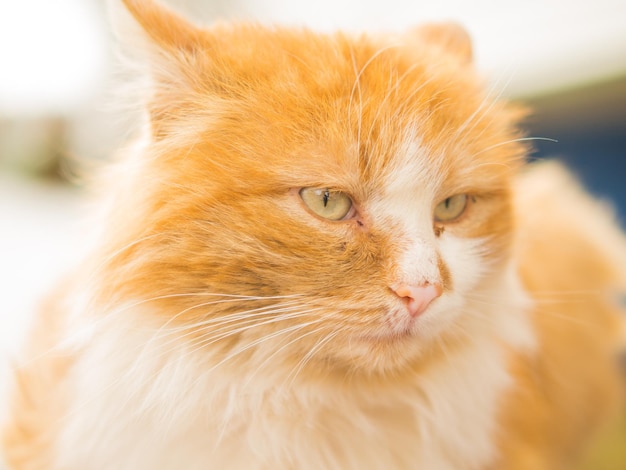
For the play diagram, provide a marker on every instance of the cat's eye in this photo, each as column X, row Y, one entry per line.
column 326, row 203
column 451, row 208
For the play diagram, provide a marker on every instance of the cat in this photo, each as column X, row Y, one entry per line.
column 326, row 252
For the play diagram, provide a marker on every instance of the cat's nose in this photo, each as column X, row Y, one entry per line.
column 417, row 298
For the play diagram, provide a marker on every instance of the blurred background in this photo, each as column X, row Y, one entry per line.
column 567, row 59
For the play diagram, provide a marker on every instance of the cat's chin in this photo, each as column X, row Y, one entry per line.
column 391, row 349
column 388, row 337
column 384, row 352
column 383, row 356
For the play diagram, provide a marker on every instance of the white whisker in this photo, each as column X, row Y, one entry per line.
column 196, row 346
column 220, row 324
column 261, row 340
column 521, row 139
column 309, row 355
column 356, row 87
column 282, row 348
column 80, row 332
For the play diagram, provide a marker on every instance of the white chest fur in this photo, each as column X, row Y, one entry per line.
column 150, row 406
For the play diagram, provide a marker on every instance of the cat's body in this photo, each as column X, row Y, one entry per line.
column 230, row 319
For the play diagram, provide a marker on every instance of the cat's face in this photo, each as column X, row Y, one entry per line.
column 296, row 183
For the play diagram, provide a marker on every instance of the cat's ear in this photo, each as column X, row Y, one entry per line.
column 449, row 37
column 149, row 24
column 166, row 49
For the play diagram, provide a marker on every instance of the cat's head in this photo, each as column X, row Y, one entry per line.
column 310, row 198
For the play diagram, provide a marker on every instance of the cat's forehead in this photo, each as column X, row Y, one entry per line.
column 372, row 109
column 360, row 114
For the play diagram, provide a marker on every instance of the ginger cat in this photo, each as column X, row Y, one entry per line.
column 327, row 252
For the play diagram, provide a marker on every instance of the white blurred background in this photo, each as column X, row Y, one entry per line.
column 567, row 57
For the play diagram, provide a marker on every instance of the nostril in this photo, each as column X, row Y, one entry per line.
column 418, row 297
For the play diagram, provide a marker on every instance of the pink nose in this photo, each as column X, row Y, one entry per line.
column 418, row 297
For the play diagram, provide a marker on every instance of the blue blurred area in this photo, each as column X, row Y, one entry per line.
column 599, row 160
column 589, row 124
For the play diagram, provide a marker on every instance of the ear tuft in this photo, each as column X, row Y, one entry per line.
column 148, row 22
column 450, row 37
column 164, row 53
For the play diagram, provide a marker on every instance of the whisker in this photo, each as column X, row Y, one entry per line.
column 222, row 319
column 357, row 86
column 393, row 89
column 211, row 339
column 307, row 357
column 239, row 320
column 521, row 139
column 77, row 333
column 282, row 348
column 487, row 104
column 222, row 323
column 119, row 251
column 255, row 312
column 202, row 344
column 261, row 340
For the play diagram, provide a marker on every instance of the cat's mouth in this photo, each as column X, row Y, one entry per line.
column 396, row 327
column 399, row 324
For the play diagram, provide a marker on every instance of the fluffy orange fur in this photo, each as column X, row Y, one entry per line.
column 221, row 323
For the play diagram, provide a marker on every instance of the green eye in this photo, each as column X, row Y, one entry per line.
column 329, row 204
column 451, row 208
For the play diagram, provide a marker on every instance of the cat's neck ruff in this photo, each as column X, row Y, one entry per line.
column 162, row 391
